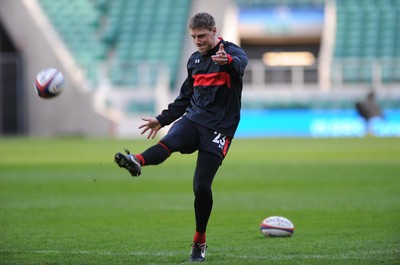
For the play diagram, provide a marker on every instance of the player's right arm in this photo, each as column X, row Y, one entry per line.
column 174, row 111
column 151, row 124
column 177, row 108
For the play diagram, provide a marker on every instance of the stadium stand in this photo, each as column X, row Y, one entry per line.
column 120, row 34
column 77, row 23
column 367, row 32
column 117, row 33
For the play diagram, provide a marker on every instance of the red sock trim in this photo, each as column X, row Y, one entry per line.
column 141, row 159
column 199, row 237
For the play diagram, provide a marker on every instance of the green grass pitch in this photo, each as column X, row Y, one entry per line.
column 64, row 201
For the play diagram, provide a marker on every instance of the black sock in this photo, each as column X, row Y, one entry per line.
column 155, row 155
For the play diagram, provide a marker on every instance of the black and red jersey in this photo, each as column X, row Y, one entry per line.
column 211, row 94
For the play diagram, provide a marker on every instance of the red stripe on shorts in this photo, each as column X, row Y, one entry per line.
column 226, row 146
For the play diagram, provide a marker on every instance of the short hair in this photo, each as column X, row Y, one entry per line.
column 202, row 21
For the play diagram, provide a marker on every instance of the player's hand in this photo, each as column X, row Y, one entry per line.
column 152, row 125
column 221, row 57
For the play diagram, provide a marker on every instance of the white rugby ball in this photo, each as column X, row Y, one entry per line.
column 277, row 226
column 49, row 83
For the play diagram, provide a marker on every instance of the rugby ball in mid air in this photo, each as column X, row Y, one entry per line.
column 276, row 226
column 49, row 83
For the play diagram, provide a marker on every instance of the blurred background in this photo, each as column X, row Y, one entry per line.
column 310, row 61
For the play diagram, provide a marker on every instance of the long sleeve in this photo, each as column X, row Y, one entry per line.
column 177, row 108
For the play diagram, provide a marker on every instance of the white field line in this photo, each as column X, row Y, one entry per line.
column 358, row 256
column 103, row 253
column 345, row 256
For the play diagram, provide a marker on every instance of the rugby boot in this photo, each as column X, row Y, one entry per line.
column 129, row 162
column 198, row 252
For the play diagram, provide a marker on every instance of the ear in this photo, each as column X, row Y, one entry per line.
column 214, row 30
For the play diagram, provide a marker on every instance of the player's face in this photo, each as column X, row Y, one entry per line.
column 203, row 39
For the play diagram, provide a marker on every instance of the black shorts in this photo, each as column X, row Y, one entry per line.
column 187, row 137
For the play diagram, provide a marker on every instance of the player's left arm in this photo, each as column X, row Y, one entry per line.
column 237, row 59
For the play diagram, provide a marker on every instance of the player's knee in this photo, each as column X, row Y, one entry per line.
column 201, row 189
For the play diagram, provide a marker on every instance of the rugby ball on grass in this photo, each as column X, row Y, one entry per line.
column 277, row 226
column 49, row 83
